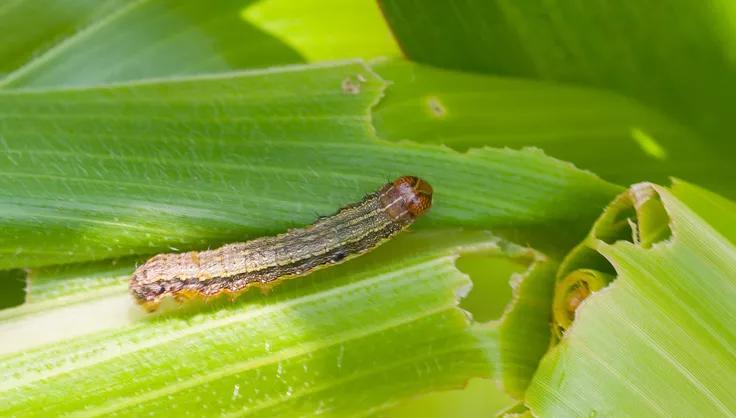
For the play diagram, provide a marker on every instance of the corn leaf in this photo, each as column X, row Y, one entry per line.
column 347, row 340
column 99, row 178
column 231, row 157
column 85, row 42
column 678, row 60
column 661, row 335
column 616, row 137
column 325, row 29
column 129, row 128
column 35, row 27
column 718, row 211
column 92, row 176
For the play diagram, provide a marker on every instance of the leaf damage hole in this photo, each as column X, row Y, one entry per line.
column 638, row 217
column 652, row 223
column 491, row 291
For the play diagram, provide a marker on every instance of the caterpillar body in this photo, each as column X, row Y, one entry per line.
column 233, row 268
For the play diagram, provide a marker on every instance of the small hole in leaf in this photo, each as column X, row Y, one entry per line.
column 638, row 216
column 653, row 222
column 617, row 226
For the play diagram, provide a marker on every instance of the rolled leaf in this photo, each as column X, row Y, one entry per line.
column 661, row 335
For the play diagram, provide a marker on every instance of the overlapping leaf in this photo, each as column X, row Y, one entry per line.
column 81, row 42
column 613, row 136
column 661, row 335
column 676, row 59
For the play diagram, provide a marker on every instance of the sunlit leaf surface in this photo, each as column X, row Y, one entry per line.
column 82, row 42
column 325, row 29
column 143, row 39
column 351, row 339
column 90, row 173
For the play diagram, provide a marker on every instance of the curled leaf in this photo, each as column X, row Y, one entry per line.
column 661, row 334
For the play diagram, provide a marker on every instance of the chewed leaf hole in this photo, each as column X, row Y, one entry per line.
column 12, row 288
column 617, row 226
column 491, row 291
column 638, row 217
column 653, row 222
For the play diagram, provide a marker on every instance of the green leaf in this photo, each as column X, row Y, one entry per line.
column 516, row 290
column 90, row 174
column 32, row 28
column 345, row 340
column 523, row 330
column 325, row 29
column 481, row 398
column 613, row 136
column 718, row 211
column 661, row 335
column 621, row 46
column 127, row 169
column 145, row 39
column 89, row 42
column 65, row 283
column 676, row 59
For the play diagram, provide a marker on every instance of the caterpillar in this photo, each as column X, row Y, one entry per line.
column 231, row 269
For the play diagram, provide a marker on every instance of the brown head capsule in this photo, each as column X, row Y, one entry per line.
column 407, row 197
column 231, row 269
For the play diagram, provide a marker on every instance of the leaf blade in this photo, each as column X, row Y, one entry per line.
column 294, row 344
column 205, row 172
